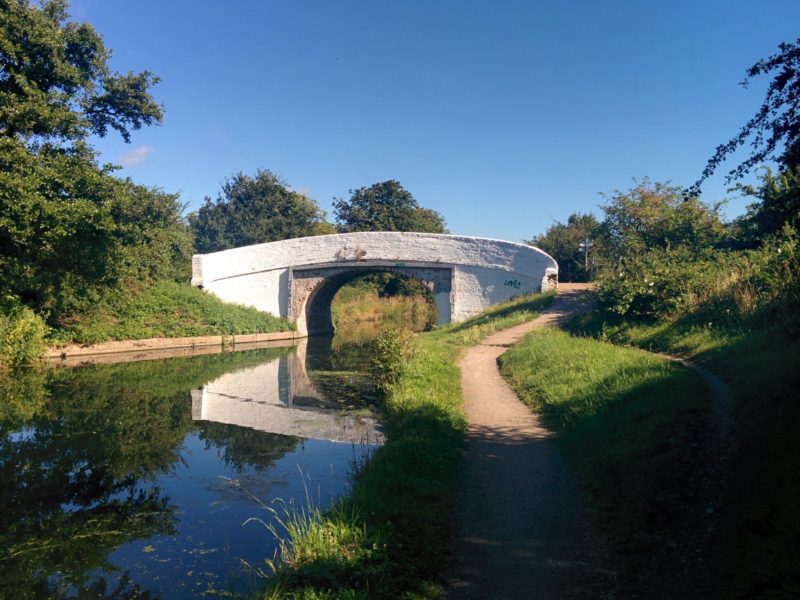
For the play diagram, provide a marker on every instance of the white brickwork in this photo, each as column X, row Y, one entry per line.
column 484, row 271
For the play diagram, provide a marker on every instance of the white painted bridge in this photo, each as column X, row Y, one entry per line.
column 298, row 278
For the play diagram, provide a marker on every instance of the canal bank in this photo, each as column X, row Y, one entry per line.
column 163, row 347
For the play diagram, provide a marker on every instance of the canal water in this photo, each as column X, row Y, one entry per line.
column 137, row 480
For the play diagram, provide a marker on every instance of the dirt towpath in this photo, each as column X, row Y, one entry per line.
column 521, row 529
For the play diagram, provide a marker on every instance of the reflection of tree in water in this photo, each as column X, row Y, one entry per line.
column 124, row 589
column 339, row 373
column 241, row 447
column 71, row 484
column 77, row 448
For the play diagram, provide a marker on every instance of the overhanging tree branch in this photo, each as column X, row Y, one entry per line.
column 775, row 126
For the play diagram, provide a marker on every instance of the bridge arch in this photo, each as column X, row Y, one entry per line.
column 313, row 290
column 298, row 278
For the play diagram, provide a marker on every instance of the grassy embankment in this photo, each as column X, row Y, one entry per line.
column 759, row 359
column 639, row 433
column 166, row 309
column 387, row 538
column 630, row 425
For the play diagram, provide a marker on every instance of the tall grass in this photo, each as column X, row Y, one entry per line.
column 358, row 306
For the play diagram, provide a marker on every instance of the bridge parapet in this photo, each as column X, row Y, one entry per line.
column 278, row 277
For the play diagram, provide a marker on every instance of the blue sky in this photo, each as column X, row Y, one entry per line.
column 504, row 116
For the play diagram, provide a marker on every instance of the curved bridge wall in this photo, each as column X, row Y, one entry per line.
column 281, row 277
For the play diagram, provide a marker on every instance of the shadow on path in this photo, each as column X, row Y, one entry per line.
column 521, row 529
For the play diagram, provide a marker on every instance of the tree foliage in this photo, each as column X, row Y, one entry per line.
column 657, row 215
column 776, row 125
column 69, row 229
column 253, row 210
column 55, row 83
column 777, row 206
column 562, row 242
column 385, row 206
column 655, row 246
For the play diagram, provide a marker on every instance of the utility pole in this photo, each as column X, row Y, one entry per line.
column 585, row 245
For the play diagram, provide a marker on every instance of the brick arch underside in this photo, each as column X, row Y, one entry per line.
column 313, row 291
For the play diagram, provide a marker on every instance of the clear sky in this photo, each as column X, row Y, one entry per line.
column 503, row 116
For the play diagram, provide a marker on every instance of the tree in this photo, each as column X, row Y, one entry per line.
column 69, row 230
column 68, row 227
column 55, row 83
column 385, row 206
column 253, row 210
column 657, row 215
column 562, row 241
column 776, row 125
column 778, row 205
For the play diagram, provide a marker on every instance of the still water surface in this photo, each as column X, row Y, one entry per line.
column 135, row 480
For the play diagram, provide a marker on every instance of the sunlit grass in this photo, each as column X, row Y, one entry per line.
column 500, row 316
column 629, row 424
column 361, row 311
column 167, row 309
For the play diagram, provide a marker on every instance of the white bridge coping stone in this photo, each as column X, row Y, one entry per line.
column 483, row 271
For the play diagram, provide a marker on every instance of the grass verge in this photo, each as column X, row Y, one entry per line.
column 630, row 425
column 387, row 538
column 166, row 309
column 760, row 516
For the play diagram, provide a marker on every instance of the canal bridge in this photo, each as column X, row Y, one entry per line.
column 298, row 278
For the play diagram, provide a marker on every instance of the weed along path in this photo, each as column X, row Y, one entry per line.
column 521, row 529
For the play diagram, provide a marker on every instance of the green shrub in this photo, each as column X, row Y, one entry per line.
column 652, row 284
column 393, row 351
column 22, row 334
column 719, row 286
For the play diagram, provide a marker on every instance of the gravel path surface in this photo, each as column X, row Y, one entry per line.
column 521, row 529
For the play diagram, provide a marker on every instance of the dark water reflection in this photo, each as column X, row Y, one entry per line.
column 134, row 480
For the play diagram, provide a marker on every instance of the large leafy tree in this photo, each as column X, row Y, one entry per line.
column 68, row 227
column 658, row 216
column 55, row 83
column 774, row 131
column 385, row 206
column 658, row 242
column 563, row 242
column 253, row 210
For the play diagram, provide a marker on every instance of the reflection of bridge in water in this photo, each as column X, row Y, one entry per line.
column 280, row 396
